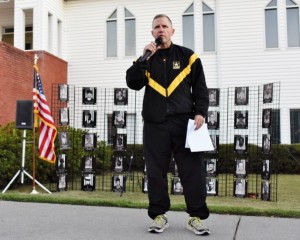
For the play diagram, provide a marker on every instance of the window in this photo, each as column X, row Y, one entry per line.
column 292, row 17
column 271, row 25
column 295, row 125
column 188, row 27
column 111, row 28
column 208, row 29
column 274, row 130
column 8, row 36
column 130, row 37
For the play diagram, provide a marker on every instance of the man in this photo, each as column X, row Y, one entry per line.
column 117, row 185
column 212, row 119
column 240, row 167
column 175, row 91
column 88, row 120
column 89, row 97
column 240, row 121
column 240, row 143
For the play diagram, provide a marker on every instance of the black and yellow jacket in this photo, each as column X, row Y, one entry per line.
column 175, row 84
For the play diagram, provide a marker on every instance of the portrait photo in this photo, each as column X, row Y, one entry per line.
column 89, row 118
column 89, row 141
column 265, row 190
column 241, row 119
column 240, row 187
column 145, row 184
column 240, row 143
column 62, row 182
column 64, row 116
column 61, row 162
column 88, row 181
column 175, row 169
column 118, row 183
column 177, row 188
column 119, row 119
column 118, row 161
column 89, row 96
column 266, row 143
column 63, row 140
column 88, row 163
column 241, row 95
column 213, row 96
column 121, row 96
column 240, row 167
column 211, row 167
column 120, row 142
column 265, row 173
column 268, row 93
column 215, row 142
column 213, row 119
column 63, row 92
column 211, row 186
column 266, row 118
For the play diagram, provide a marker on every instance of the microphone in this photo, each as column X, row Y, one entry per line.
column 143, row 58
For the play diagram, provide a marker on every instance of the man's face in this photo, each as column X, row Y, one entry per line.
column 161, row 27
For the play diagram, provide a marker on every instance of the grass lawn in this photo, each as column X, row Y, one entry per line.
column 288, row 204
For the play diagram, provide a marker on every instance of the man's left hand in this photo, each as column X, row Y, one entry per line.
column 198, row 121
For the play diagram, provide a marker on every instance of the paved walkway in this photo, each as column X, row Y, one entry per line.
column 32, row 221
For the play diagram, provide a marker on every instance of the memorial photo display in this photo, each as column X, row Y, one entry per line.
column 240, row 143
column 120, row 142
column 63, row 92
column 266, row 143
column 213, row 94
column 121, row 96
column 88, row 163
column 64, row 116
column 118, row 183
column 213, row 119
column 119, row 119
column 241, row 119
column 266, row 117
column 211, row 167
column 62, row 182
column 211, row 186
column 268, row 93
column 177, row 188
column 89, row 118
column 89, row 95
column 240, row 187
column 241, row 95
column 61, row 162
column 89, row 141
column 241, row 168
column 88, row 181
column 63, row 140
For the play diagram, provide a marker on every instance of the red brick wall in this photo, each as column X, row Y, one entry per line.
column 16, row 74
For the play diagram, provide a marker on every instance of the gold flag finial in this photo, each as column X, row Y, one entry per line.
column 35, row 59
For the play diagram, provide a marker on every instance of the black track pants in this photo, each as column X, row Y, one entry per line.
column 160, row 141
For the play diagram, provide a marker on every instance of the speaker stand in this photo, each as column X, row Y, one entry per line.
column 22, row 171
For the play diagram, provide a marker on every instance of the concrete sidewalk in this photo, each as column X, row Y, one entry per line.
column 31, row 221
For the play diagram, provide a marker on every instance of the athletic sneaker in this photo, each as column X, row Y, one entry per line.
column 159, row 224
column 195, row 224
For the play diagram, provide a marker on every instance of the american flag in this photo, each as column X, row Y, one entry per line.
column 47, row 129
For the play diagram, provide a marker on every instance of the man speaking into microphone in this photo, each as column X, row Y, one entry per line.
column 175, row 91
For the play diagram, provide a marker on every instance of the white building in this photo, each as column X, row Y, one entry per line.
column 241, row 43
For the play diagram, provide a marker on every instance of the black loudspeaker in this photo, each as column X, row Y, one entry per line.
column 24, row 114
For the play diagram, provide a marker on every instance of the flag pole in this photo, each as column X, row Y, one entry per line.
column 35, row 125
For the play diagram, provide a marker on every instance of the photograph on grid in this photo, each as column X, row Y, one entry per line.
column 62, row 182
column 215, row 142
column 266, row 144
column 265, row 173
column 241, row 143
column 61, row 162
column 88, row 163
column 121, row 96
column 118, row 183
column 89, row 96
column 120, row 142
column 89, row 118
column 89, row 141
column 241, row 119
column 64, row 116
column 265, row 190
column 213, row 96
column 119, row 119
column 241, row 168
column 63, row 92
column 88, row 181
column 241, row 95
column 268, row 93
column 240, row 187
column 213, row 119
column 211, row 167
column 177, row 188
column 118, row 162
column 266, row 117
column 145, row 184
column 211, row 186
column 64, row 140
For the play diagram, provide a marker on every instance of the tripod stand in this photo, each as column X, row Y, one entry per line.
column 22, row 170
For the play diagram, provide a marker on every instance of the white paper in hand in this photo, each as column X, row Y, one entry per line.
column 198, row 140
